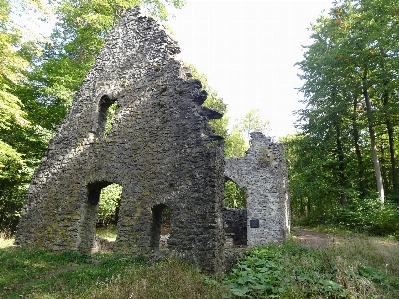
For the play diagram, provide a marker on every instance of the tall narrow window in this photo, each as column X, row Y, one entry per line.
column 105, row 114
column 235, row 216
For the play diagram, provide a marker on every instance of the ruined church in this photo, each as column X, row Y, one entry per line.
column 160, row 148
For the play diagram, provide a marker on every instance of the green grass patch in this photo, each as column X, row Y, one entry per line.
column 29, row 273
column 356, row 268
column 108, row 232
column 20, row 265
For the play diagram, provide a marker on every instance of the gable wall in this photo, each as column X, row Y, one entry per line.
column 160, row 149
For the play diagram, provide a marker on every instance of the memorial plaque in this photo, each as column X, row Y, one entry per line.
column 254, row 223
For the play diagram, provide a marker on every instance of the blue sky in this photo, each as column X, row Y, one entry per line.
column 248, row 50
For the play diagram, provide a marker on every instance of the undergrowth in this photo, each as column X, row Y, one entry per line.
column 365, row 216
column 356, row 268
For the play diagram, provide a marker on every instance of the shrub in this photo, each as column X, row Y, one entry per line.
column 369, row 216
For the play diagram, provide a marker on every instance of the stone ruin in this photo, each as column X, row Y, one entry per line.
column 262, row 174
column 160, row 149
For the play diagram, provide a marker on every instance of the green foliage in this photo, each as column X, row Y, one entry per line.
column 294, row 271
column 266, row 272
column 235, row 144
column 21, row 142
column 234, row 196
column 367, row 216
column 111, row 113
column 252, row 122
column 109, row 204
column 350, row 116
column 11, row 201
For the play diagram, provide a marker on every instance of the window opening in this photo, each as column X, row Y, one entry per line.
column 110, row 116
column 235, row 216
column 161, row 224
column 235, row 197
column 106, row 113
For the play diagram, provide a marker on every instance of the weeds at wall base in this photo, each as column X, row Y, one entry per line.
column 357, row 269
column 362, row 268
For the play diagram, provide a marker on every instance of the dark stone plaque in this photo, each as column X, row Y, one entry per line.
column 254, row 223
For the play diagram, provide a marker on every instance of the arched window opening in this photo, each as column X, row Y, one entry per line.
column 107, row 197
column 106, row 113
column 160, row 230
column 235, row 197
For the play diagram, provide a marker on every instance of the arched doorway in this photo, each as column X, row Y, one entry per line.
column 104, row 199
column 160, row 229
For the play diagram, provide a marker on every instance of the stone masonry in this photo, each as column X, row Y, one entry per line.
column 235, row 226
column 262, row 174
column 160, row 149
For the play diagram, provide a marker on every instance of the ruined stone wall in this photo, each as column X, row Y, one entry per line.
column 262, row 173
column 235, row 225
column 160, row 149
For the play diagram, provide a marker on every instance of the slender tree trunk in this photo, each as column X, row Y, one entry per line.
column 308, row 207
column 341, row 166
column 388, row 123
column 377, row 170
column 384, row 173
column 358, row 151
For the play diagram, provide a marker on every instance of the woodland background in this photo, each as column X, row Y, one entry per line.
column 342, row 165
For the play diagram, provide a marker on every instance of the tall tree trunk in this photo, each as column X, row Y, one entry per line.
column 358, row 151
column 341, row 166
column 377, row 170
column 388, row 123
column 384, row 173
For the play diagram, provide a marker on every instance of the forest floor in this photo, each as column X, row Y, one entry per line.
column 318, row 240
column 332, row 265
column 315, row 239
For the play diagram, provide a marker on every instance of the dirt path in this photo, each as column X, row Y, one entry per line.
column 313, row 239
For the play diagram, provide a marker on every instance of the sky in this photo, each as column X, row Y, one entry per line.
column 248, row 50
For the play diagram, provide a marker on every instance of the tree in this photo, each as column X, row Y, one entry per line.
column 354, row 57
column 21, row 142
column 251, row 122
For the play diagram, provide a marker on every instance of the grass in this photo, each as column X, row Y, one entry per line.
column 358, row 268
column 107, row 232
column 28, row 273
